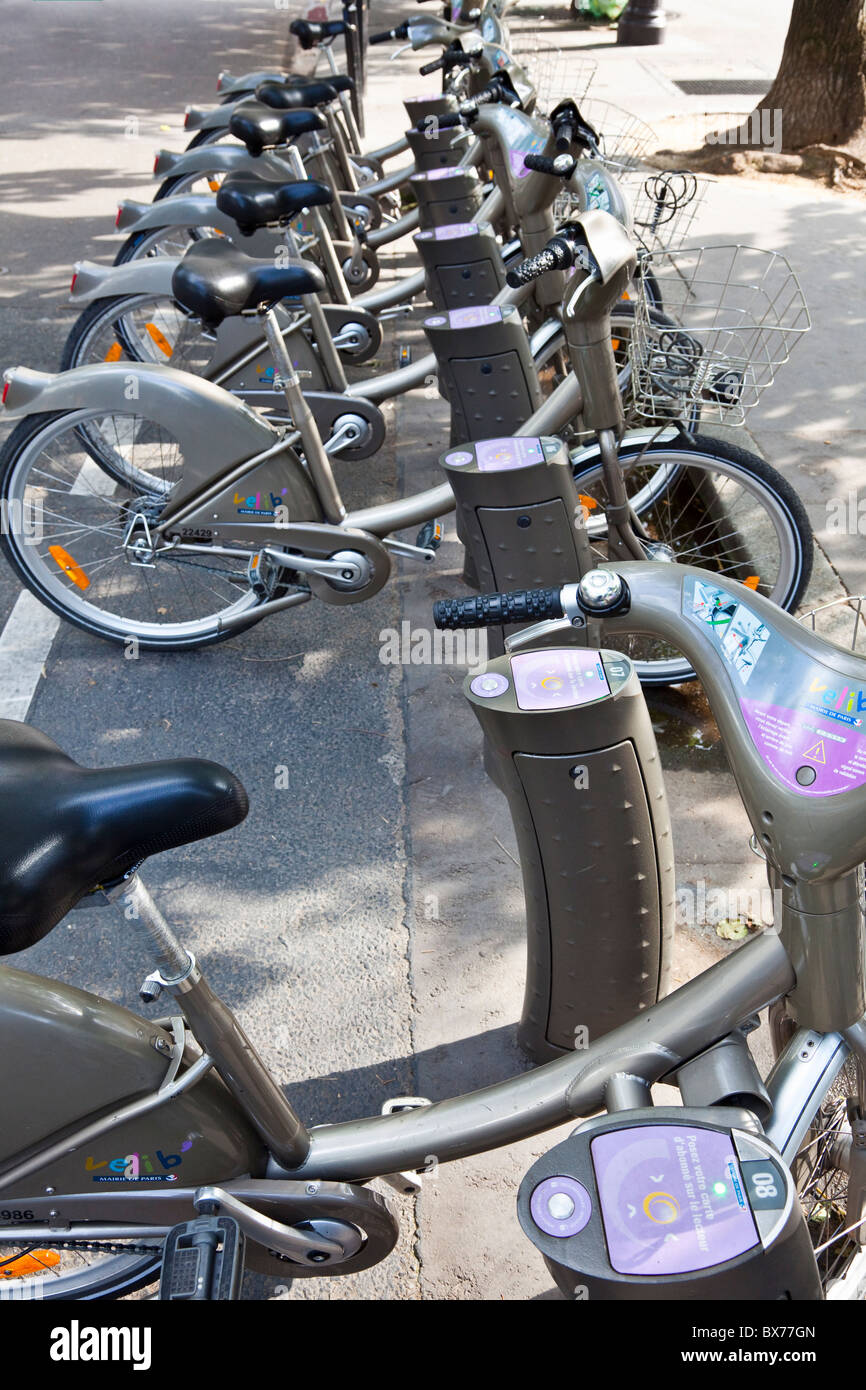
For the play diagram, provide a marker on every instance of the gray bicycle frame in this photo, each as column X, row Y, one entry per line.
column 821, row 927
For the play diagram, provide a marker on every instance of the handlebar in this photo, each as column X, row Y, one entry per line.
column 491, row 610
column 401, row 32
column 451, row 58
column 559, row 254
column 774, row 691
column 560, row 167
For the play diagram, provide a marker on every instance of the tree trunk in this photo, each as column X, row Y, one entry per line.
column 820, row 88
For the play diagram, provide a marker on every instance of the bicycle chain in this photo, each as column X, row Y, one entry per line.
column 103, row 1246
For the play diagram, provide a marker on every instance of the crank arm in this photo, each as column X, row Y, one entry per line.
column 305, row 1247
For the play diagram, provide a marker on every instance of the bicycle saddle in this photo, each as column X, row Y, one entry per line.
column 66, row 829
column 340, row 81
column 261, row 127
column 254, row 201
column 215, row 281
column 308, row 35
column 281, row 98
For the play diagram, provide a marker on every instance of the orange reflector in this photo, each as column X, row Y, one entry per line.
column 160, row 339
column 625, row 295
column 614, row 342
column 588, row 502
column 73, row 571
column 115, row 352
column 752, row 582
column 213, row 185
column 32, row 1263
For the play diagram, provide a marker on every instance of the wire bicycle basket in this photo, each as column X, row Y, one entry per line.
column 555, row 75
column 730, row 316
column 666, row 206
column 841, row 621
column 623, row 139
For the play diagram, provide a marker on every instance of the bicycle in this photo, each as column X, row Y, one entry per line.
column 300, row 1195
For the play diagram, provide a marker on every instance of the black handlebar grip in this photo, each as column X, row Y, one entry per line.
column 430, row 67
column 541, row 163
column 557, row 255
column 450, row 120
column 491, row 610
column 401, row 32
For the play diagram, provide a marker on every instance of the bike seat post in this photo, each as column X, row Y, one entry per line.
column 330, row 357
column 333, row 269
column 304, row 422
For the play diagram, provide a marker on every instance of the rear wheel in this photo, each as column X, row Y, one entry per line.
column 137, row 328
column 85, row 546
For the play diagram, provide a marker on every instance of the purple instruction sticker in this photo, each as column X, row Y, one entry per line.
column 453, row 230
column 672, row 1199
column 803, row 751
column 497, row 455
column 558, row 678
column 445, row 173
column 475, row 316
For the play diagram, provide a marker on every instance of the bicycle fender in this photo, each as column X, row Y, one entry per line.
column 207, row 159
column 211, row 117
column 188, row 210
column 213, row 428
column 150, row 275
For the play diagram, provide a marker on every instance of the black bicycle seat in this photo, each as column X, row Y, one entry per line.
column 261, row 127
column 215, row 281
column 66, row 829
column 308, row 35
column 282, row 98
column 253, row 201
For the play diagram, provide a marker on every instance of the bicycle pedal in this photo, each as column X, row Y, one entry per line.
column 203, row 1260
column 430, row 536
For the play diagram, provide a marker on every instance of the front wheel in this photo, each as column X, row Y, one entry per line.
column 710, row 504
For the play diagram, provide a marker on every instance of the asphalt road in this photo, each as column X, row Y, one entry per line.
column 300, row 912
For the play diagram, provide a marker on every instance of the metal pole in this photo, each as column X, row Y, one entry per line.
column 642, row 22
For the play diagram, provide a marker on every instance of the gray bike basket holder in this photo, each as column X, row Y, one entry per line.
column 462, row 264
column 568, row 740
column 519, row 516
column 486, row 371
column 437, row 149
column 452, row 194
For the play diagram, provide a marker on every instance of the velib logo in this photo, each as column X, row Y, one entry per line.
column 77, row 1343
column 138, row 1167
column 258, row 503
column 840, row 704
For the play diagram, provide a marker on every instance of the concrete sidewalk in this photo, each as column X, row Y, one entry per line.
column 467, row 949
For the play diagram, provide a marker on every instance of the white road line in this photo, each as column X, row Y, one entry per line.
column 24, row 646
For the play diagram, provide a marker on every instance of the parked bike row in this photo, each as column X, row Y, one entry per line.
column 184, row 464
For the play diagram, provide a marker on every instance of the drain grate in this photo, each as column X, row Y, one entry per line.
column 723, row 86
